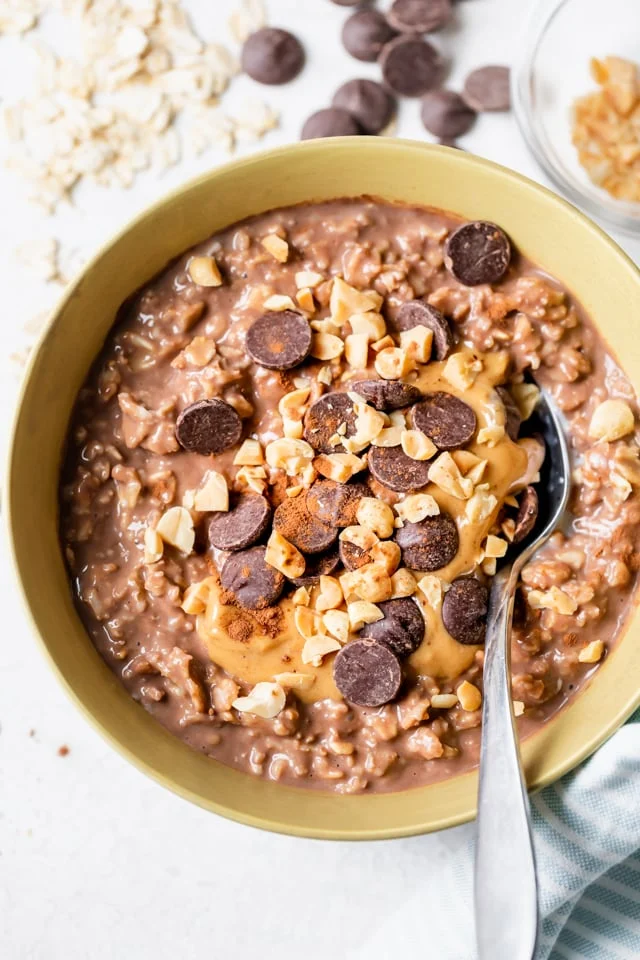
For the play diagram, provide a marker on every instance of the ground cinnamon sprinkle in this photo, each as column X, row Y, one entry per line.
column 295, row 522
column 240, row 629
column 266, row 622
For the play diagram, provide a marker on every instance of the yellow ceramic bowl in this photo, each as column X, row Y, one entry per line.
column 548, row 230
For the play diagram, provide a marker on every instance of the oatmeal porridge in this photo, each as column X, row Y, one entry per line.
column 301, row 455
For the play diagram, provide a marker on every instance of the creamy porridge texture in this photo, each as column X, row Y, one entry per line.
column 295, row 467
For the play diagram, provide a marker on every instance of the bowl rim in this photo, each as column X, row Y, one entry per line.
column 620, row 214
column 423, row 823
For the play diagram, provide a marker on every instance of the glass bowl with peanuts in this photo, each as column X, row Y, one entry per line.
column 576, row 95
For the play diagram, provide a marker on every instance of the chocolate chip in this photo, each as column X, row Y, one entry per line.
column 352, row 556
column 419, row 16
column 512, row 413
column 318, row 565
column 430, row 544
column 272, row 56
column 297, row 525
column 323, row 418
column 419, row 313
column 527, row 514
column 243, row 525
column 251, row 580
column 279, row 340
column 478, row 252
column 368, row 102
column 336, row 503
column 402, row 627
column 365, row 33
column 387, row 394
column 367, row 673
column 394, row 469
column 464, row 610
column 448, row 421
column 445, row 114
column 331, row 122
column 410, row 66
column 488, row 88
column 208, row 427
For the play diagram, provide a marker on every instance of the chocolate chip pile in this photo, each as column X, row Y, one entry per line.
column 341, row 517
column 411, row 66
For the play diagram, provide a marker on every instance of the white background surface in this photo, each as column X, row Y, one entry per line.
column 96, row 861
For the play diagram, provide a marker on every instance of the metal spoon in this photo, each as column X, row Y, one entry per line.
column 506, row 897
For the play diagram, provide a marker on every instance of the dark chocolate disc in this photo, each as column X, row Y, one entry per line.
column 318, row 565
column 336, row 503
column 478, row 252
column 410, row 66
column 297, row 525
column 429, row 544
column 330, row 122
column 208, row 427
column 419, row 16
column 391, row 467
column 242, row 525
column 272, row 56
column 512, row 413
column 445, row 114
column 365, row 33
column 368, row 102
column 251, row 580
column 488, row 88
column 367, row 673
column 323, row 418
column 387, row 394
column 402, row 627
column 419, row 313
column 279, row 340
column 449, row 422
column 527, row 514
column 464, row 610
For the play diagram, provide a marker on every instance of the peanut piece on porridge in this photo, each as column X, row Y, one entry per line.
column 611, row 420
column 279, row 302
column 445, row 473
column 204, row 271
column 359, row 536
column 301, row 597
column 356, row 350
column 213, row 495
column 491, row 435
column 416, row 506
column 249, row 454
column 330, row 594
column 417, row 445
column 361, row 612
column 552, row 599
column 386, row 554
column 276, row 246
column 308, row 278
column 306, row 301
column 403, row 584
column 526, row 396
column 338, row 466
column 283, row 556
column 286, row 453
column 417, row 343
column 370, row 325
column 443, row 701
column 264, row 700
column 307, row 622
column 392, row 363
column 315, row 648
column 153, row 546
column 495, row 546
column 592, row 653
column 481, row 505
column 295, row 681
column 461, row 370
column 326, row 346
column 346, row 300
column 196, row 597
column 369, row 582
column 293, row 404
column 469, row 696
column 176, row 528
column 336, row 623
column 375, row 515
column 518, row 708
column 432, row 588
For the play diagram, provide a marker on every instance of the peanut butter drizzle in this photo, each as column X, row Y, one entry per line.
column 260, row 657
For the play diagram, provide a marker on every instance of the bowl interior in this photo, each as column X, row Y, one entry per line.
column 551, row 232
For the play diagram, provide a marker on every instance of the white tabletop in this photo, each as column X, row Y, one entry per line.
column 96, row 861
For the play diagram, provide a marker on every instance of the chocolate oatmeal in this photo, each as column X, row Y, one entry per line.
column 301, row 456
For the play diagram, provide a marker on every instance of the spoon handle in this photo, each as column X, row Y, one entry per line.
column 506, row 900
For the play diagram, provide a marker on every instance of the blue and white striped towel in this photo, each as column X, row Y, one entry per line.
column 587, row 839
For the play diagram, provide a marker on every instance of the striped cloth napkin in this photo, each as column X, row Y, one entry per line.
column 587, row 840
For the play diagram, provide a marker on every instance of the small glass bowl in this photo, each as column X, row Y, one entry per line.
column 561, row 38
